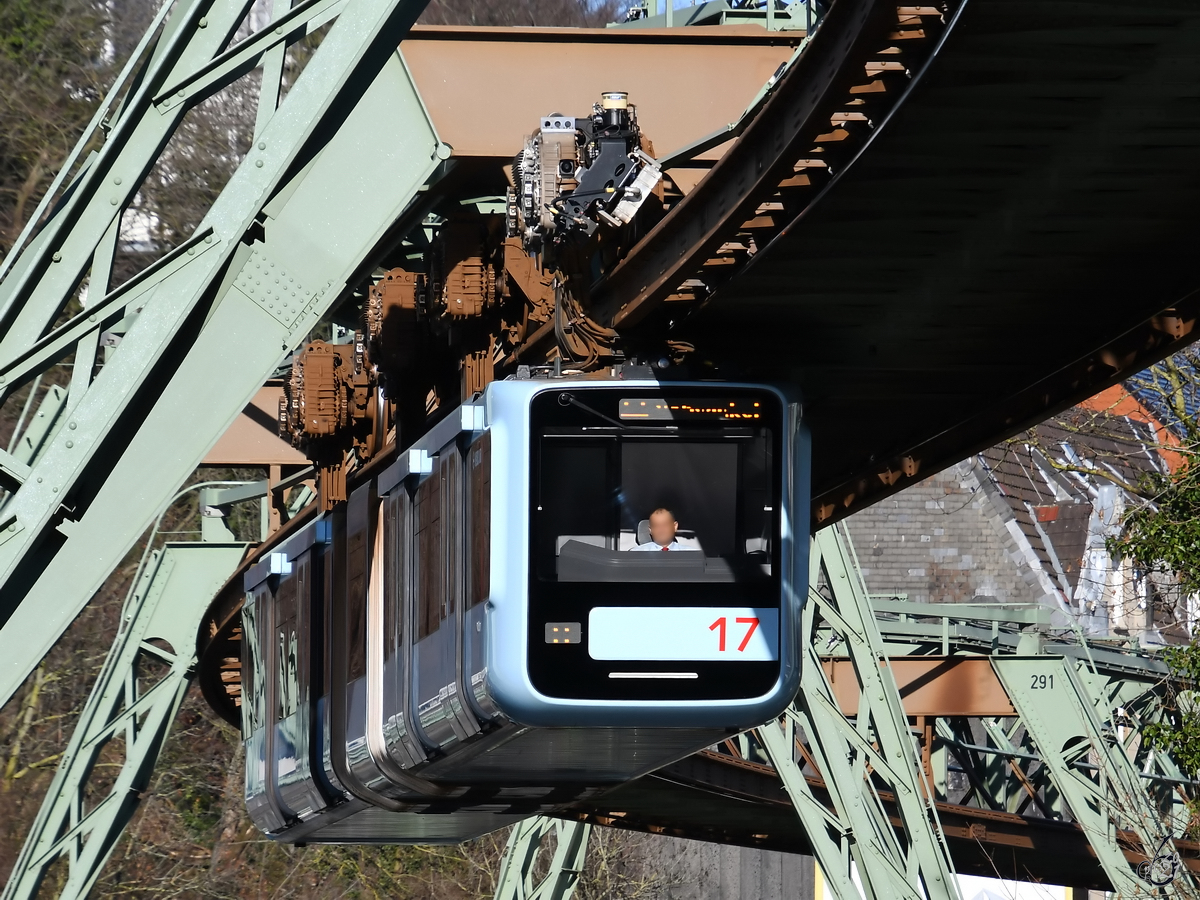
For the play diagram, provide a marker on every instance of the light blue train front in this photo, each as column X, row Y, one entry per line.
column 707, row 458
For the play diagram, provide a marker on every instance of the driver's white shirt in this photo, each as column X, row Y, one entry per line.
column 651, row 546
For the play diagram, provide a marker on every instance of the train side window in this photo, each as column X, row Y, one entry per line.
column 430, row 555
column 480, row 520
column 306, row 631
column 756, row 522
column 396, row 537
column 253, row 677
column 357, row 567
column 452, row 513
column 286, row 649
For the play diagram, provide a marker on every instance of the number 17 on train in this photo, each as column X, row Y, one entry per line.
column 720, row 626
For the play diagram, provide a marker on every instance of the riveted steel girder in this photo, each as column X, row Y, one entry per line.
column 526, row 844
column 1074, row 723
column 330, row 172
column 851, row 754
column 158, row 622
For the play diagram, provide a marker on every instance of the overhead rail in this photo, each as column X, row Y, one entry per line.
column 821, row 112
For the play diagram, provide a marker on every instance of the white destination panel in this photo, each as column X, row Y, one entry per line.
column 695, row 633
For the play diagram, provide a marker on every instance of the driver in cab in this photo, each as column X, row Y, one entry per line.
column 662, row 532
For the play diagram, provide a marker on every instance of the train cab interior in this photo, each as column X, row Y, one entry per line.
column 599, row 481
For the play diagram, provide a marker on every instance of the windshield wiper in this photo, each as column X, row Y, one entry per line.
column 568, row 399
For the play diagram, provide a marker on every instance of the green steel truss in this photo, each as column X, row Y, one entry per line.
column 332, row 169
column 1092, row 757
column 528, row 853
column 858, row 756
column 129, row 710
column 874, row 768
column 1071, row 753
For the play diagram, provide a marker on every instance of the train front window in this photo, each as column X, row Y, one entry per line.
column 654, row 514
column 665, row 496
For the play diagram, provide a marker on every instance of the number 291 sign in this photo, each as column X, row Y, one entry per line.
column 695, row 633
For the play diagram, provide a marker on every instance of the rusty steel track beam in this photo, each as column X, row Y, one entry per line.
column 459, row 71
column 785, row 128
column 722, row 788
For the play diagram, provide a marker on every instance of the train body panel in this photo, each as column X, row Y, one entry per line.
column 400, row 735
column 282, row 773
column 540, row 758
column 475, row 637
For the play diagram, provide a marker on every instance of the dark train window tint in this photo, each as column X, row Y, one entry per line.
column 253, row 677
column 452, row 517
column 605, row 465
column 430, row 555
column 286, row 648
column 596, row 496
column 480, row 560
column 395, row 536
column 697, row 481
column 575, row 498
column 356, row 600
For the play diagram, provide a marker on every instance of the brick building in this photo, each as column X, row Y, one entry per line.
column 1026, row 521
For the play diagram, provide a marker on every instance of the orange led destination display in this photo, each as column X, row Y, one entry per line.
column 655, row 410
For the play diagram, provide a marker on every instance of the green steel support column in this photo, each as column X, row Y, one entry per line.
column 178, row 68
column 164, row 605
column 831, row 839
column 876, row 745
column 30, row 441
column 1074, row 725
column 330, row 173
column 1141, row 707
column 525, row 846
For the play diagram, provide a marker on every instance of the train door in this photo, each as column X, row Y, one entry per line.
column 261, row 802
column 402, row 744
column 279, row 718
column 376, row 774
column 440, row 716
column 356, row 717
column 291, row 707
column 330, row 708
column 477, row 574
column 454, row 500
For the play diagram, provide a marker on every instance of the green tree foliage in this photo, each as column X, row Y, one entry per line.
column 1163, row 535
column 577, row 13
column 1179, row 732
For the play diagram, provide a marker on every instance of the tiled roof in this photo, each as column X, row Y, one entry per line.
column 1150, row 386
column 1046, row 478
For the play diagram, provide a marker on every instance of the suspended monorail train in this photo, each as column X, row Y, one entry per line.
column 478, row 634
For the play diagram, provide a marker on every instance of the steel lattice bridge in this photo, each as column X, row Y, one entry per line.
column 935, row 225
